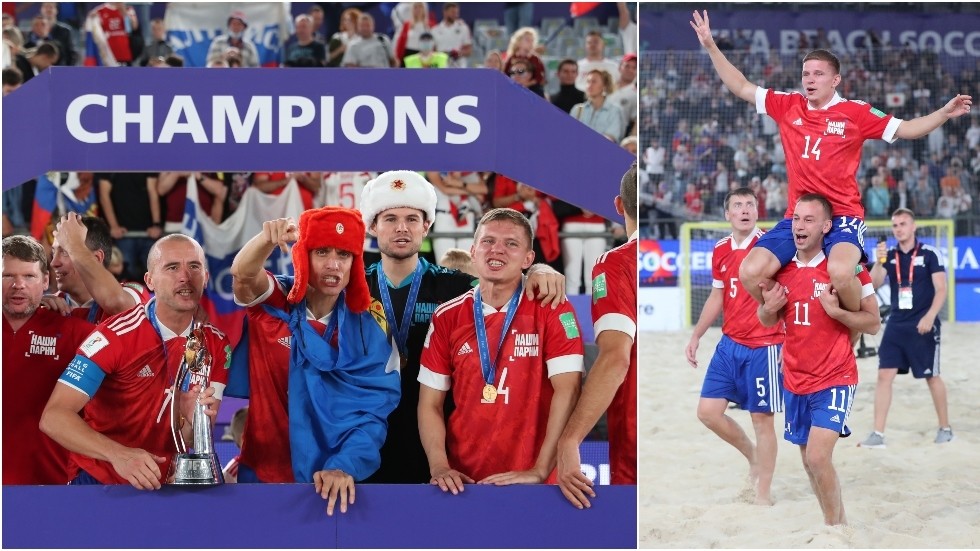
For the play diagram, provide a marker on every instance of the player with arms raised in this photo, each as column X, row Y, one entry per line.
column 822, row 135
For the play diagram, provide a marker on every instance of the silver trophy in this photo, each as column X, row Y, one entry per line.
column 200, row 467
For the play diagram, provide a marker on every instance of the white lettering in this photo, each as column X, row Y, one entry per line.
column 930, row 40
column 121, row 117
column 73, row 118
column 182, row 105
column 326, row 119
column 288, row 121
column 470, row 123
column 225, row 114
column 789, row 41
column 426, row 129
column 969, row 43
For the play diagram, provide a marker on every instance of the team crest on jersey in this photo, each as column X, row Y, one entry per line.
column 43, row 346
column 834, row 128
column 571, row 326
column 378, row 313
column 599, row 287
column 818, row 288
column 95, row 342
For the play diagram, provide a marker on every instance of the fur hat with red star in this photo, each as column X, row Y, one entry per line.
column 339, row 228
column 395, row 189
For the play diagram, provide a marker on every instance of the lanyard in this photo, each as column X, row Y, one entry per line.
column 898, row 266
column 400, row 331
column 490, row 368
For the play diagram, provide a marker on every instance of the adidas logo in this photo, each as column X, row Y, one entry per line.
column 835, row 418
column 724, row 268
column 285, row 341
column 145, row 372
column 465, row 349
column 763, row 403
column 927, row 372
column 798, row 122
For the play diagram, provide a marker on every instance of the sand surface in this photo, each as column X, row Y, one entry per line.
column 914, row 494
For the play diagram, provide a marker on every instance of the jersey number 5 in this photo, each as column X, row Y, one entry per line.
column 734, row 289
column 815, row 150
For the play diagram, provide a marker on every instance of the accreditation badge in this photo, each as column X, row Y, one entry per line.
column 904, row 298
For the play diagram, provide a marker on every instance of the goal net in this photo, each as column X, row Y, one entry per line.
column 697, row 242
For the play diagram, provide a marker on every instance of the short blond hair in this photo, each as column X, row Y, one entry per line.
column 458, row 259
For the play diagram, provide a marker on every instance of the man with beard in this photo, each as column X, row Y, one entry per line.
column 38, row 343
column 123, row 373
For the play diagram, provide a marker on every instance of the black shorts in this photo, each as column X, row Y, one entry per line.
column 904, row 348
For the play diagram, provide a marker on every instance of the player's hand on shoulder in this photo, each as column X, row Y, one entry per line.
column 56, row 304
column 545, row 284
column 334, row 486
column 830, row 301
column 138, row 467
column 449, row 479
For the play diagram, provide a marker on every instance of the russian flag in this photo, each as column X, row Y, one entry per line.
column 97, row 51
column 52, row 196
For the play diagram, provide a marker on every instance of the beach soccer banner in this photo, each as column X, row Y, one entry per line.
column 221, row 242
column 255, row 120
column 191, row 27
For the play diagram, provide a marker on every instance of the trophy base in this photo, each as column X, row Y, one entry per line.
column 197, row 469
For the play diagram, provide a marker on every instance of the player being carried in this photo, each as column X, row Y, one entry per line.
column 822, row 135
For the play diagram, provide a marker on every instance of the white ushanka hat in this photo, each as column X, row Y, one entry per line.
column 396, row 189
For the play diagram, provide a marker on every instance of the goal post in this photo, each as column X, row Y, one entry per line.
column 697, row 242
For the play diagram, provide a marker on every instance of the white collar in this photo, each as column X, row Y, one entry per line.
column 813, row 263
column 165, row 333
column 745, row 242
column 833, row 101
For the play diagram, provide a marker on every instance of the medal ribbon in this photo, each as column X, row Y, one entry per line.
column 490, row 368
column 400, row 331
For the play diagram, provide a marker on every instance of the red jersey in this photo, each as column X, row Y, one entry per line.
column 114, row 25
column 131, row 405
column 823, row 146
column 741, row 323
column 94, row 314
column 614, row 309
column 818, row 352
column 265, row 441
column 485, row 438
column 34, row 357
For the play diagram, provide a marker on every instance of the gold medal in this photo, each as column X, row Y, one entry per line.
column 489, row 393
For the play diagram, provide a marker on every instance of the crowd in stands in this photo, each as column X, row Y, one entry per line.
column 596, row 89
column 699, row 141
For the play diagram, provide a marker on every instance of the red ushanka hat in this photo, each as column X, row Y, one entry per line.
column 331, row 227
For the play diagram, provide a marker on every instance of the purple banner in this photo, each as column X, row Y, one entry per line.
column 136, row 119
column 284, row 516
column 953, row 34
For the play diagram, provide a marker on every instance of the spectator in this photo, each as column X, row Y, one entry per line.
column 523, row 72
column 301, row 49
column 876, row 199
column 459, row 260
column 37, row 346
column 595, row 58
column 408, row 37
column 523, row 46
column 922, row 199
column 452, row 36
column 236, row 431
column 663, row 201
column 598, row 113
column 693, row 205
column 655, row 159
column 117, row 22
column 117, row 264
column 12, row 79
column 158, row 46
column 343, row 38
column 493, row 60
column 427, row 57
column 13, row 44
column 568, row 95
column 233, row 44
column 518, row 15
column 33, row 61
column 316, row 12
column 457, row 208
column 627, row 28
column 372, row 50
column 625, row 93
column 581, row 253
column 130, row 202
column 43, row 30
column 274, row 183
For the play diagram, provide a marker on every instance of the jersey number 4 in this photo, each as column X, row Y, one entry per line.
column 815, row 151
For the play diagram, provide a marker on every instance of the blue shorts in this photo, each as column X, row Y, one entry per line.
column 748, row 377
column 903, row 348
column 846, row 229
column 827, row 409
